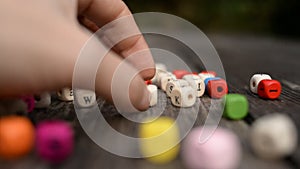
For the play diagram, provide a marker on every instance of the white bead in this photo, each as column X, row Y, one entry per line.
column 203, row 76
column 196, row 83
column 273, row 136
column 153, row 94
column 255, row 79
column 158, row 74
column 164, row 79
column 175, row 84
column 183, row 97
column 85, row 98
column 161, row 66
column 65, row 94
column 43, row 101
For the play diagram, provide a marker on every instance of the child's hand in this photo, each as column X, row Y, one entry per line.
column 41, row 40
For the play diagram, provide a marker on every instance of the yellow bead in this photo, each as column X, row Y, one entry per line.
column 159, row 140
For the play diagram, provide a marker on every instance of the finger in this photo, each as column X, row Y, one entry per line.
column 102, row 12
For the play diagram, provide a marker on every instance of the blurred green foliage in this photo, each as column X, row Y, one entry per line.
column 279, row 17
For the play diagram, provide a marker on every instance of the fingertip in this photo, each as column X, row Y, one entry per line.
column 139, row 94
column 148, row 74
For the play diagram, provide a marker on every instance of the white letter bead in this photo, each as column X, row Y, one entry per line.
column 203, row 76
column 43, row 101
column 175, row 84
column 164, row 79
column 255, row 79
column 85, row 98
column 273, row 136
column 183, row 97
column 196, row 83
column 153, row 94
column 65, row 94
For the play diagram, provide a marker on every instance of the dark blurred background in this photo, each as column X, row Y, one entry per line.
column 268, row 17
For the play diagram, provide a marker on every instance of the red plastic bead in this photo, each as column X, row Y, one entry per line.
column 30, row 102
column 209, row 72
column 180, row 73
column 148, row 82
column 217, row 88
column 269, row 89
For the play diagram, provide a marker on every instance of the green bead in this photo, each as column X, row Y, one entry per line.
column 236, row 106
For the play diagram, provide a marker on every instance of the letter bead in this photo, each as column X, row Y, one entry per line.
column 255, row 79
column 175, row 84
column 273, row 136
column 153, row 94
column 164, row 79
column 196, row 83
column 236, row 106
column 269, row 89
column 183, row 97
column 85, row 98
column 54, row 141
column 180, row 73
column 161, row 67
column 65, row 94
column 217, row 88
column 42, row 100
column 16, row 137
column 222, row 150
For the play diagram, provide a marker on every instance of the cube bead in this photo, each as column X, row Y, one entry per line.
column 210, row 78
column 153, row 94
column 269, row 89
column 159, row 140
column 209, row 72
column 217, row 88
column 16, row 137
column 42, row 100
column 85, row 98
column 196, row 83
column 180, row 73
column 65, row 94
column 54, row 141
column 220, row 151
column 183, row 97
column 175, row 84
column 273, row 136
column 255, row 79
column 164, row 79
column 236, row 106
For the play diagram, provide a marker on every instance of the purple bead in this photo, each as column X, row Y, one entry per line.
column 54, row 141
column 29, row 100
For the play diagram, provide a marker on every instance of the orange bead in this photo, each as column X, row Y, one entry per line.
column 16, row 137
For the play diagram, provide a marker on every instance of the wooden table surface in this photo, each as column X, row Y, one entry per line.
column 242, row 56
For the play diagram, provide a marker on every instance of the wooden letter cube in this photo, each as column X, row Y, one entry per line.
column 175, row 84
column 269, row 89
column 217, row 88
column 164, row 79
column 273, row 136
column 153, row 94
column 65, row 94
column 255, row 79
column 85, row 98
column 196, row 83
column 42, row 100
column 183, row 97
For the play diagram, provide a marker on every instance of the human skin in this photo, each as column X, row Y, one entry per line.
column 40, row 42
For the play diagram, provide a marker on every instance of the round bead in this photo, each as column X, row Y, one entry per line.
column 16, row 137
column 220, row 151
column 159, row 140
column 54, row 141
column 236, row 106
column 273, row 136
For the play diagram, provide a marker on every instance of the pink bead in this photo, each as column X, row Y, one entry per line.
column 29, row 100
column 221, row 151
column 54, row 141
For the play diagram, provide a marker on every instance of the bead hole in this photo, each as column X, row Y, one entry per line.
column 220, row 89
